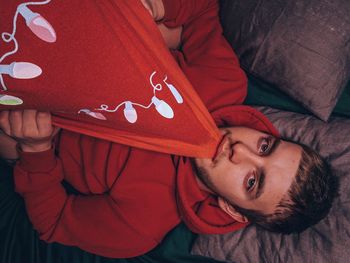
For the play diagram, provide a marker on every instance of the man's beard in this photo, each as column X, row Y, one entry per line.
column 203, row 176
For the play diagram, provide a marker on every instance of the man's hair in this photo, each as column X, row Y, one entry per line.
column 308, row 200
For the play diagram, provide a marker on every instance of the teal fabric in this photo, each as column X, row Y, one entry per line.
column 343, row 106
column 19, row 243
column 264, row 94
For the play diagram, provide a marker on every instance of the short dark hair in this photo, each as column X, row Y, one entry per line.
column 308, row 200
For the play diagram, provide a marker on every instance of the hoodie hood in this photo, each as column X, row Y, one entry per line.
column 198, row 209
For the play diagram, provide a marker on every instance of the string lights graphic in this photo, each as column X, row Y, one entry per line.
column 96, row 115
column 161, row 106
column 40, row 27
column 27, row 70
column 38, row 24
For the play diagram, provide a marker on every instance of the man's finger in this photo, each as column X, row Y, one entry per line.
column 5, row 122
column 16, row 118
column 30, row 127
column 155, row 8
column 147, row 6
column 43, row 120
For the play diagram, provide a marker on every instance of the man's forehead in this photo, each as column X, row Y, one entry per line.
column 281, row 171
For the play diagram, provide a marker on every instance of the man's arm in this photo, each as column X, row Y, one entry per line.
column 94, row 223
column 206, row 57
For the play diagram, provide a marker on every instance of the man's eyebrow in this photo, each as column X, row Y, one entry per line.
column 261, row 184
column 276, row 142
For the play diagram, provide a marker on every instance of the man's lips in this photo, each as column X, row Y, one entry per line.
column 220, row 146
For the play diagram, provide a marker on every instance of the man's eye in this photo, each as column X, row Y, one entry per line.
column 265, row 146
column 250, row 182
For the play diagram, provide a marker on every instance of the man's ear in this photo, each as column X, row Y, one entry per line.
column 231, row 211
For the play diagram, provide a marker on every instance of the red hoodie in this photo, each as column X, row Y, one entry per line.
column 130, row 198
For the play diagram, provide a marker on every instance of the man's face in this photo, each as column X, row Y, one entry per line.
column 251, row 169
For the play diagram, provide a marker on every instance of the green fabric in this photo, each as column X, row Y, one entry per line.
column 343, row 106
column 263, row 94
column 19, row 243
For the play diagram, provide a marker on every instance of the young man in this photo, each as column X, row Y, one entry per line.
column 130, row 198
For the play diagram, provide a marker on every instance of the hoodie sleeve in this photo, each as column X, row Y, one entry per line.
column 205, row 56
column 94, row 223
column 178, row 12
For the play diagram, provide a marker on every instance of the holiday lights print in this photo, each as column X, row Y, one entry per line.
column 27, row 70
column 130, row 113
column 24, row 70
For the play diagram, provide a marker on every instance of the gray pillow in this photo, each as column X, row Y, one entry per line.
column 300, row 46
column 329, row 240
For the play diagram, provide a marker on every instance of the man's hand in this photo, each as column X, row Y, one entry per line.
column 155, row 8
column 171, row 36
column 33, row 130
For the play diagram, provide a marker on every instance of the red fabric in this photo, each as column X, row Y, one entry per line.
column 104, row 55
column 206, row 58
column 132, row 197
column 128, row 193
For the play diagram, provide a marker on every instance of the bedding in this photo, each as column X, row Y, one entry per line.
column 59, row 55
column 262, row 93
column 301, row 47
column 329, row 240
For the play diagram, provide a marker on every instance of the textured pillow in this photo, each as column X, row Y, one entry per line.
column 103, row 69
column 301, row 46
column 329, row 240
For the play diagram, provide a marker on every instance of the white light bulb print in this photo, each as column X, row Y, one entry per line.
column 174, row 91
column 130, row 113
column 96, row 115
column 163, row 108
column 38, row 24
column 21, row 70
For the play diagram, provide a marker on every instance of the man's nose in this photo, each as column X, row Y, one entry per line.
column 243, row 153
